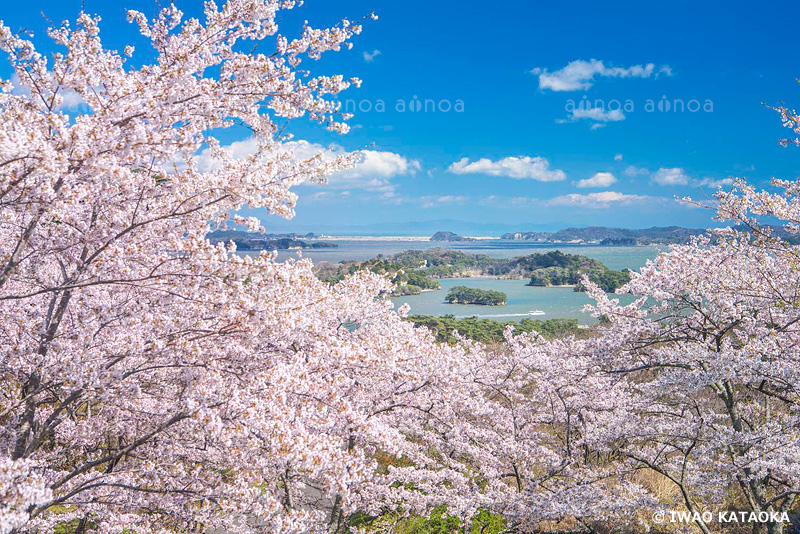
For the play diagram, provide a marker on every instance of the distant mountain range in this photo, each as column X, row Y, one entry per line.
column 603, row 235
column 611, row 236
column 410, row 228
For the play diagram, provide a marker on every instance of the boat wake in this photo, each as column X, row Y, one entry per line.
column 527, row 314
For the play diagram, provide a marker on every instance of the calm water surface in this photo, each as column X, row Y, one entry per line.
column 523, row 301
column 554, row 302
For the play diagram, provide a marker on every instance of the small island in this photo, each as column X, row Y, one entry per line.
column 450, row 236
column 472, row 295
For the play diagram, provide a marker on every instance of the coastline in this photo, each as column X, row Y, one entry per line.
column 418, row 238
column 493, row 277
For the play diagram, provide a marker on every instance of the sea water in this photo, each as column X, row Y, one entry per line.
column 523, row 301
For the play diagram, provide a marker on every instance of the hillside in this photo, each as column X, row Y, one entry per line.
column 408, row 280
column 646, row 236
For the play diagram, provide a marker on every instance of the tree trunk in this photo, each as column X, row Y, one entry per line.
column 776, row 528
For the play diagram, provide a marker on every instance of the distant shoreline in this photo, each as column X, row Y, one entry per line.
column 419, row 238
column 495, row 277
column 513, row 243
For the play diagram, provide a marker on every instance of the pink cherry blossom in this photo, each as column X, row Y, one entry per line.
column 150, row 380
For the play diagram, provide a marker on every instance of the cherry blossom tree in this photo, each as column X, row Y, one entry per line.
column 685, row 400
column 149, row 380
column 152, row 381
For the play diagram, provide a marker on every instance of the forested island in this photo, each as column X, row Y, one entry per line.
column 420, row 268
column 409, row 281
column 450, row 236
column 559, row 269
column 473, row 295
column 256, row 241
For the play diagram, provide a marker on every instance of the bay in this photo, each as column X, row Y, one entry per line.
column 523, row 301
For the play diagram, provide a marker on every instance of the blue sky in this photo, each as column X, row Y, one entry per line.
column 511, row 151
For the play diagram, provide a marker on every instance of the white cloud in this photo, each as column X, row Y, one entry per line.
column 503, row 202
column 432, row 202
column 70, row 100
column 617, row 157
column 600, row 200
column 598, row 114
column 518, row 168
column 670, row 176
column 713, row 183
column 600, row 179
column 375, row 171
column 369, row 57
column 581, row 75
column 634, row 172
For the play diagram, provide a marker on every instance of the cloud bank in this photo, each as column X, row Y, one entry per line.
column 518, row 168
column 580, row 75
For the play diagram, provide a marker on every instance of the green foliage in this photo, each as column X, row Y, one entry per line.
column 74, row 525
column 608, row 280
column 473, row 295
column 409, row 282
column 421, row 280
column 437, row 522
column 553, row 268
column 487, row 523
column 407, row 289
column 488, row 331
column 556, row 268
column 420, row 268
column 553, row 276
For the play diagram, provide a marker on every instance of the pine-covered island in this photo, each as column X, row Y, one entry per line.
column 473, row 295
